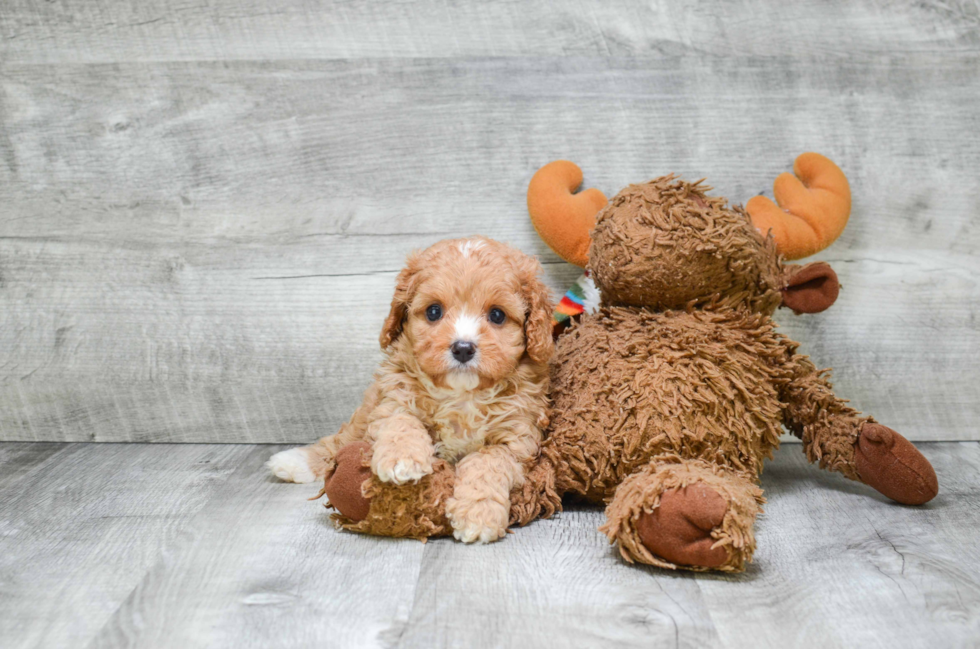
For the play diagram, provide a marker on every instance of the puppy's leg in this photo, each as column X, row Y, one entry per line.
column 294, row 465
column 402, row 449
column 480, row 507
column 313, row 462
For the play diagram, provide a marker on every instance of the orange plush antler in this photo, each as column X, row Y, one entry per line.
column 563, row 219
column 813, row 207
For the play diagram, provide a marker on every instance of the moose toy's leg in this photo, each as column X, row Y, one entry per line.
column 691, row 514
column 365, row 504
column 842, row 440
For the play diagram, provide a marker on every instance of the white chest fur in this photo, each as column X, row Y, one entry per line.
column 458, row 426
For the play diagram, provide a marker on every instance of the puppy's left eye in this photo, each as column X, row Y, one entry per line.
column 497, row 316
column 433, row 313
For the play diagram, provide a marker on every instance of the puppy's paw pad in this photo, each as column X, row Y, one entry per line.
column 475, row 533
column 291, row 466
column 484, row 521
column 401, row 471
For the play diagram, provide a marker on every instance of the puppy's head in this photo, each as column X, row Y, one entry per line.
column 470, row 312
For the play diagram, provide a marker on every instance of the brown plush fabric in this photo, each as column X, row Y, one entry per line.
column 666, row 244
column 665, row 539
column 679, row 530
column 668, row 400
column 810, row 289
column 343, row 486
column 828, row 427
column 889, row 463
column 629, row 384
column 415, row 511
column 367, row 505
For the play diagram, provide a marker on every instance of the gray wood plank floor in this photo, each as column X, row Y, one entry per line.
column 203, row 203
column 109, row 545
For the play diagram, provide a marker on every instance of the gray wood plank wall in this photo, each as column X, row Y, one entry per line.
column 203, row 204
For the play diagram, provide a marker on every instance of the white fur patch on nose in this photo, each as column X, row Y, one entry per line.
column 468, row 328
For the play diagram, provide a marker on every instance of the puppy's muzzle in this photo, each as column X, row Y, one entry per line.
column 463, row 351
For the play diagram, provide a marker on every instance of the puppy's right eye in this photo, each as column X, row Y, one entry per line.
column 433, row 313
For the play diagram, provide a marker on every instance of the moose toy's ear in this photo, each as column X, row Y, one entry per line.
column 811, row 288
column 814, row 203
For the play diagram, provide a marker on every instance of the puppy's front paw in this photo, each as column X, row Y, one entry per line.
column 398, row 469
column 480, row 521
column 403, row 450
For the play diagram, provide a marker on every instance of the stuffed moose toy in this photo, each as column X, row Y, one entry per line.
column 668, row 399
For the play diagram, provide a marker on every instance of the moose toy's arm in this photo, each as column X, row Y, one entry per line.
column 814, row 204
column 828, row 427
column 843, row 440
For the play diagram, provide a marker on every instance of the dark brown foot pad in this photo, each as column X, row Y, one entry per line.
column 891, row 464
column 343, row 486
column 679, row 530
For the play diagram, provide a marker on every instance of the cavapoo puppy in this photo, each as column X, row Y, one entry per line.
column 465, row 378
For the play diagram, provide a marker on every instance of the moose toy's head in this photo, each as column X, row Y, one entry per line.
column 666, row 244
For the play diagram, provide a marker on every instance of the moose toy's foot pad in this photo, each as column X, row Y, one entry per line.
column 679, row 530
column 343, row 486
column 891, row 464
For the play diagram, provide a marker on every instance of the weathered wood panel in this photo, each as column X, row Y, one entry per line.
column 261, row 567
column 837, row 566
column 18, row 460
column 841, row 566
column 154, row 30
column 205, row 251
column 80, row 530
column 194, row 546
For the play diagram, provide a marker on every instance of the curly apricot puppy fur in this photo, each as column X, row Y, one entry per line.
column 465, row 380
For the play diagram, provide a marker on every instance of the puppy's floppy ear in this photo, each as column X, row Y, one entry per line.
column 538, row 340
column 404, row 290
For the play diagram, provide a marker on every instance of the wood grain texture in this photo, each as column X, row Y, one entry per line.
column 154, row 30
column 868, row 572
column 107, row 545
column 80, row 529
column 205, row 251
column 261, row 567
column 18, row 460
column 837, row 566
column 204, row 204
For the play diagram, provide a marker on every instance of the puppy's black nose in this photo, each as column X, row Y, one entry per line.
column 463, row 351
